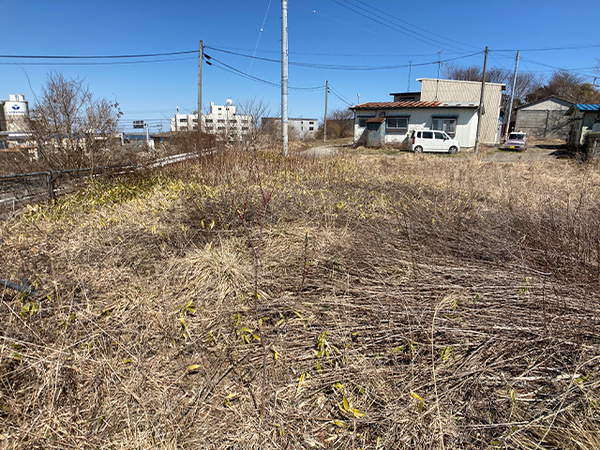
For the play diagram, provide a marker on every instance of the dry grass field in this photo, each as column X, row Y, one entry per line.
column 246, row 301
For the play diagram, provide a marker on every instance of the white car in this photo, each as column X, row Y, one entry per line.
column 432, row 141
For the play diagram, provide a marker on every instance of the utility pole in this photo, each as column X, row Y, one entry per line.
column 512, row 96
column 409, row 73
column 358, row 95
column 201, row 54
column 481, row 108
column 325, row 119
column 284, row 79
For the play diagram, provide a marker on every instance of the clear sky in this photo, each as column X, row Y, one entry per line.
column 369, row 48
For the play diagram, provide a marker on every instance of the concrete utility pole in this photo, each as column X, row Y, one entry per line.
column 481, row 108
column 284, row 79
column 201, row 54
column 512, row 96
column 325, row 119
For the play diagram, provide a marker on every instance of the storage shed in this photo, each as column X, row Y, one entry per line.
column 544, row 118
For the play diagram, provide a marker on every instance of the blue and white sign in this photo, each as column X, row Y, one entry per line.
column 15, row 108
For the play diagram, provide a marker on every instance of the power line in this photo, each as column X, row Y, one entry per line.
column 340, row 96
column 383, row 21
column 346, row 68
column 143, row 55
column 235, row 71
column 386, row 14
column 548, row 49
column 94, row 63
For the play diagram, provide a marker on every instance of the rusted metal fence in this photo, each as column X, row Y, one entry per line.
column 21, row 189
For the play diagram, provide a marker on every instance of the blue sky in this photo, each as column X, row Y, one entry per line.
column 360, row 46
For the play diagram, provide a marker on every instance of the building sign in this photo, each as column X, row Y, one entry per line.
column 15, row 108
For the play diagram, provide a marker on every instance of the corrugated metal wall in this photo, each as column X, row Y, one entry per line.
column 468, row 91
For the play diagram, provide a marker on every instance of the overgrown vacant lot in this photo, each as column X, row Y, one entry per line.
column 252, row 302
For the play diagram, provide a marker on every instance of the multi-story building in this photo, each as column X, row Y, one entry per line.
column 303, row 128
column 222, row 119
column 14, row 121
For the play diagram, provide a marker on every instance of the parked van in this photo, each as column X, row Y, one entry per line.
column 432, row 141
column 516, row 141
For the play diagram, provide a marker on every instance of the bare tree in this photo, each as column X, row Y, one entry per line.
column 257, row 109
column 568, row 86
column 340, row 123
column 70, row 126
column 526, row 82
column 475, row 73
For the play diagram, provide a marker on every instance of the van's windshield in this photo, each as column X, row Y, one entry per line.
column 516, row 136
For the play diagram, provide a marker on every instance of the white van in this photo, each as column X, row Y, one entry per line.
column 432, row 141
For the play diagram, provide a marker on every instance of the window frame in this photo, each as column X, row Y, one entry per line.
column 397, row 128
column 362, row 120
column 442, row 120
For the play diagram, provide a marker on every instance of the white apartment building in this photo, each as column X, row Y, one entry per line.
column 222, row 119
column 304, row 128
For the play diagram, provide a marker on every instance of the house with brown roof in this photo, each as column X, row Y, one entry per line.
column 448, row 105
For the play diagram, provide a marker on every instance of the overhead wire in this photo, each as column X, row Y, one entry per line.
column 259, row 36
column 339, row 95
column 142, row 55
column 235, row 71
column 384, row 21
column 343, row 67
column 386, row 15
column 94, row 63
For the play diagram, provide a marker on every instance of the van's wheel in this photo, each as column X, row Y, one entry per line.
column 418, row 149
column 452, row 150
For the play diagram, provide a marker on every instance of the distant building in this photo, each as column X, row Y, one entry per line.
column 303, row 128
column 222, row 119
column 15, row 129
column 545, row 118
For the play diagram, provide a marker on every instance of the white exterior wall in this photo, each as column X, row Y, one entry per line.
column 304, row 127
column 421, row 118
column 15, row 114
column 222, row 119
column 468, row 91
column 547, row 105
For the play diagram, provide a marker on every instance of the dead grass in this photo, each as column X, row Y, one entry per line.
column 415, row 301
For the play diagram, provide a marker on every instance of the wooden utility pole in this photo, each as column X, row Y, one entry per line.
column 480, row 110
column 284, row 79
column 201, row 55
column 325, row 119
column 512, row 96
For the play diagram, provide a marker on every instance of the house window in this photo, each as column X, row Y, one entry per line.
column 445, row 124
column 362, row 120
column 183, row 120
column 397, row 124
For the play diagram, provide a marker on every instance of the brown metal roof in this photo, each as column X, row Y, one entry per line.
column 419, row 104
column 384, row 105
